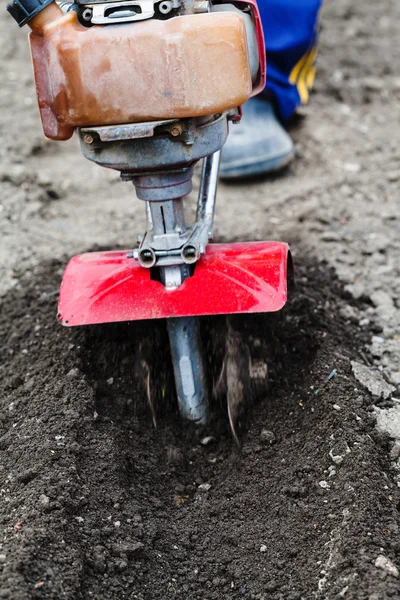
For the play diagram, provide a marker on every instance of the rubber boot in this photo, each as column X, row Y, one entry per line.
column 257, row 145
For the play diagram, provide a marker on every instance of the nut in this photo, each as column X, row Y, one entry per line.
column 176, row 130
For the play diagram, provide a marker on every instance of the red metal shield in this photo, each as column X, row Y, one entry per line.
column 106, row 287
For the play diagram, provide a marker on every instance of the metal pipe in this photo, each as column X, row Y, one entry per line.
column 187, row 360
column 149, row 218
column 208, row 190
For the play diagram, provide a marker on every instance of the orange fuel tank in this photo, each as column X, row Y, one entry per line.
column 186, row 66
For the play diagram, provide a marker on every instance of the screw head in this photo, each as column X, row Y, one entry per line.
column 88, row 139
column 176, row 130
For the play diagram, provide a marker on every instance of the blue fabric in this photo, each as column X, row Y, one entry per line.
column 290, row 29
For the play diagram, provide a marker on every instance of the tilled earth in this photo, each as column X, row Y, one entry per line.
column 97, row 502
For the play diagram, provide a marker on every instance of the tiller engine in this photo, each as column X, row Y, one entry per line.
column 150, row 88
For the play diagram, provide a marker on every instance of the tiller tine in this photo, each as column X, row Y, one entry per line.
column 108, row 287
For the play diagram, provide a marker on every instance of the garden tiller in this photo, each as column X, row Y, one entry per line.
column 150, row 87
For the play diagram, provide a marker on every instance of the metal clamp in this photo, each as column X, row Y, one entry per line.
column 119, row 12
column 168, row 241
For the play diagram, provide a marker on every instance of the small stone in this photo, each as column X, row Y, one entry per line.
column 393, row 176
column 44, row 500
column 348, row 312
column 388, row 420
column 324, row 485
column 382, row 298
column 43, row 179
column 263, row 548
column 110, row 381
column 331, row 236
column 395, row 451
column 332, row 471
column 339, row 451
column 2, row 558
column 271, row 586
column 336, row 407
column 15, row 174
column 357, row 290
column 79, row 519
column 374, row 84
column 395, row 377
column 73, row 373
column 351, row 167
column 267, row 437
column 384, row 563
column 204, row 487
column 372, row 380
column 117, row 524
column 206, row 441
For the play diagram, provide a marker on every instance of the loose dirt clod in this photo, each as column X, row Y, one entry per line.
column 267, row 437
column 372, row 379
column 384, row 563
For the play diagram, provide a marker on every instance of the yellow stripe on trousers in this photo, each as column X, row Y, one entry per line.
column 303, row 74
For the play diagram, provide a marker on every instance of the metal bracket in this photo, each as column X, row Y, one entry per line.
column 130, row 131
column 98, row 12
column 122, row 12
column 165, row 246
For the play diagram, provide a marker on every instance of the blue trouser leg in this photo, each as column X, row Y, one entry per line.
column 290, row 29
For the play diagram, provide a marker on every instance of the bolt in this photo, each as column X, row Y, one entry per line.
column 176, row 130
column 165, row 7
column 87, row 14
column 88, row 139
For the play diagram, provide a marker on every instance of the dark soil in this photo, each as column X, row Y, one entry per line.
column 97, row 503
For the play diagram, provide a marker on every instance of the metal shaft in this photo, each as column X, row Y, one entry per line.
column 165, row 217
column 208, row 190
column 184, row 337
column 187, row 360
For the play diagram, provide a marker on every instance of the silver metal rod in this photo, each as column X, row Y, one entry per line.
column 149, row 218
column 166, row 218
column 208, row 190
column 187, row 360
